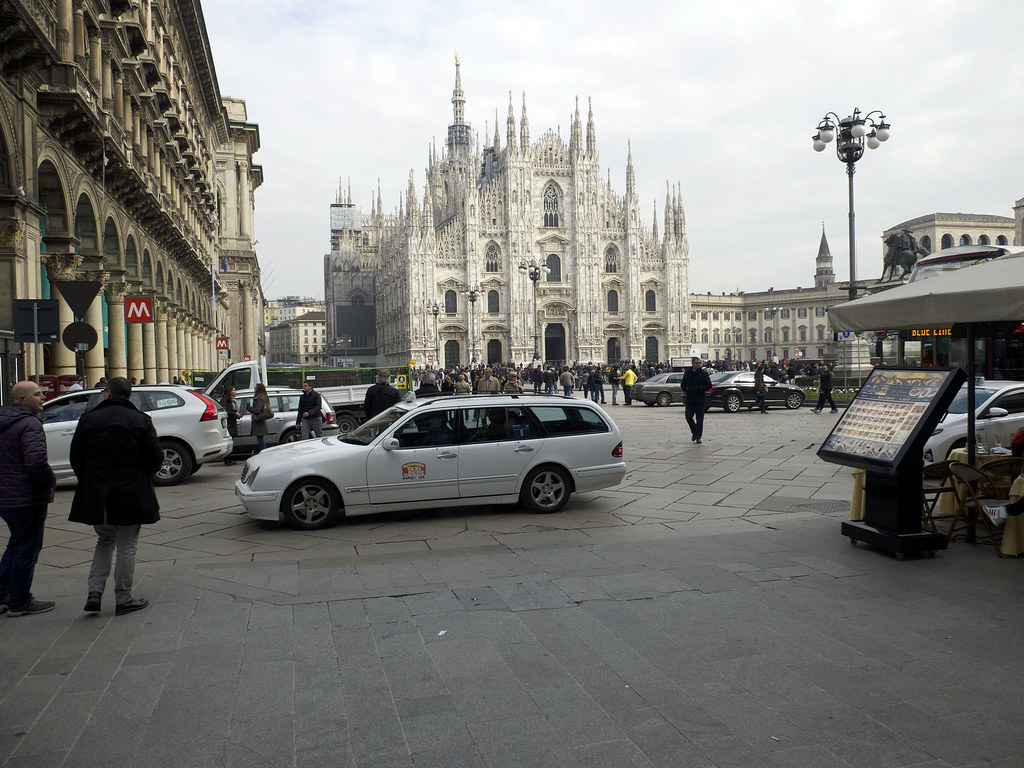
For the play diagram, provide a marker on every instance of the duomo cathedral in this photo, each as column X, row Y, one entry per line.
column 447, row 276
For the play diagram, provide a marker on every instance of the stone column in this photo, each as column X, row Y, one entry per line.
column 95, row 367
column 133, row 338
column 245, row 316
column 79, row 34
column 118, row 99
column 149, row 371
column 96, row 69
column 61, row 266
column 173, row 366
column 117, row 356
column 64, row 24
column 161, row 342
column 184, row 351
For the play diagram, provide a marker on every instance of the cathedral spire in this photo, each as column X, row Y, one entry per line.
column 497, row 137
column 576, row 132
column 380, row 204
column 458, row 97
column 654, row 225
column 459, row 134
column 591, row 140
column 668, row 211
column 510, row 127
column 524, row 127
column 630, row 179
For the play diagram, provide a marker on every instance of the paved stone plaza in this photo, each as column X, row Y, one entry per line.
column 704, row 613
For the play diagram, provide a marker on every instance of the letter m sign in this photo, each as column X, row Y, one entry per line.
column 138, row 310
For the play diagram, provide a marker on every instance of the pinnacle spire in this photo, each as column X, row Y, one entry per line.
column 591, row 140
column 524, row 126
column 630, row 179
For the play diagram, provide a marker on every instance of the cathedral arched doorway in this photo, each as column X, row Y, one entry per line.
column 451, row 354
column 554, row 343
column 493, row 352
column 651, row 349
column 614, row 350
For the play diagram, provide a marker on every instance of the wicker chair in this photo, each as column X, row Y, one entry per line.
column 937, row 482
column 976, row 490
column 1003, row 472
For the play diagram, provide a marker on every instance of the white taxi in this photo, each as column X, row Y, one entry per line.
column 439, row 452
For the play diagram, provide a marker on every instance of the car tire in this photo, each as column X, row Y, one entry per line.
column 346, row 422
column 546, row 490
column 311, row 504
column 794, row 400
column 648, row 403
column 178, row 464
column 957, row 445
column 733, row 402
column 664, row 398
column 290, row 435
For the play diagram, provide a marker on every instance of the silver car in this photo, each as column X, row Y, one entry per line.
column 999, row 414
column 284, row 402
column 192, row 428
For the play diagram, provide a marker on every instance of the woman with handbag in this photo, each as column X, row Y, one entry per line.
column 259, row 407
column 230, row 404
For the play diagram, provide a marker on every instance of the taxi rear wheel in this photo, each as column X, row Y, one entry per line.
column 546, row 490
column 311, row 504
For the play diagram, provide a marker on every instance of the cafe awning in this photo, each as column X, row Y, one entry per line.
column 989, row 292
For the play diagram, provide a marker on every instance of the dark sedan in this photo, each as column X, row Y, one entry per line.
column 735, row 390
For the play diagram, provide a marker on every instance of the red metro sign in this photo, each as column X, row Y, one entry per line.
column 138, row 310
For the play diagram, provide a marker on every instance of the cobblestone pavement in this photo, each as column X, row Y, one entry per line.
column 706, row 612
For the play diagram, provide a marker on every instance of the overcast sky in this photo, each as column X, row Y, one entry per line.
column 721, row 98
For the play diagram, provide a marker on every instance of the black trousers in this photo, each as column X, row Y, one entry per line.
column 695, row 418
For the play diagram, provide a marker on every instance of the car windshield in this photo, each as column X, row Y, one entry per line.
column 959, row 404
column 366, row 433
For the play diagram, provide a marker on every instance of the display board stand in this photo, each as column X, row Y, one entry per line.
column 883, row 432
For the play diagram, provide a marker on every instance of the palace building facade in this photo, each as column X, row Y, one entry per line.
column 610, row 288
column 122, row 164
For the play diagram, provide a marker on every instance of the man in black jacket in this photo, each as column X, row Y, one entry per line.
column 380, row 396
column 696, row 384
column 428, row 387
column 28, row 483
column 310, row 418
column 115, row 453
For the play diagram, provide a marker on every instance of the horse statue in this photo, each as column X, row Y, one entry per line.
column 901, row 251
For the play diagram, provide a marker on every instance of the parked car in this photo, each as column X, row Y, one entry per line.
column 735, row 389
column 660, row 389
column 439, row 452
column 284, row 402
column 999, row 409
column 192, row 428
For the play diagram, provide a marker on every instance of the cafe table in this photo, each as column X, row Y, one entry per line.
column 947, row 505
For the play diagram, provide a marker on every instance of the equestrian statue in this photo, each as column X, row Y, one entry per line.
column 901, row 251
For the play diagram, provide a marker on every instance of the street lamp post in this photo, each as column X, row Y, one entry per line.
column 775, row 332
column 472, row 293
column 434, row 309
column 854, row 133
column 534, row 271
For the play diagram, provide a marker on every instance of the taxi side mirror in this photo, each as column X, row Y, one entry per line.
column 390, row 444
column 996, row 413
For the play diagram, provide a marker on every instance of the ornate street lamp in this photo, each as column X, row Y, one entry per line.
column 534, row 271
column 854, row 133
column 433, row 308
column 775, row 331
column 472, row 293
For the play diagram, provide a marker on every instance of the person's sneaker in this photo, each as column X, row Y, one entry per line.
column 815, row 410
column 835, row 410
column 92, row 605
column 996, row 514
column 696, row 440
column 131, row 606
column 33, row 607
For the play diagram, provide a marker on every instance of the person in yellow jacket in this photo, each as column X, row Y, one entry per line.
column 628, row 379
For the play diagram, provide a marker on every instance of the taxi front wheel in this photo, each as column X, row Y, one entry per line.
column 546, row 490
column 311, row 504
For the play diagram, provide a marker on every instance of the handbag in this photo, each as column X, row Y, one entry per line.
column 263, row 415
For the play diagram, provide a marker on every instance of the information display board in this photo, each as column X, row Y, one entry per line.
column 893, row 413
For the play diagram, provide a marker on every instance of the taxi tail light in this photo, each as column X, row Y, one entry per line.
column 617, row 453
column 210, row 414
column 330, row 417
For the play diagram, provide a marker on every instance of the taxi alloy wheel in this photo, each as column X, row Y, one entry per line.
column 311, row 504
column 546, row 490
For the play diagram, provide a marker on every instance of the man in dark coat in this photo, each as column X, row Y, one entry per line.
column 310, row 418
column 696, row 384
column 428, row 387
column 380, row 396
column 115, row 453
column 28, row 483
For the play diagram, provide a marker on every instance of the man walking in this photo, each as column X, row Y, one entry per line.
column 380, row 396
column 628, row 380
column 310, row 419
column 28, row 483
column 696, row 384
column 115, row 453
column 824, row 390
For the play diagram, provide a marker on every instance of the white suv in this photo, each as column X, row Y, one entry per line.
column 1000, row 413
column 192, row 428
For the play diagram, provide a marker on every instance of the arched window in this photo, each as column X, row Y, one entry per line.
column 650, row 301
column 983, row 240
column 451, row 302
column 947, row 241
column 611, row 259
column 965, row 240
column 555, row 266
column 493, row 259
column 550, row 207
column 613, row 301
column 1001, row 240
column 492, row 301
column 651, row 348
column 704, row 337
column 926, row 243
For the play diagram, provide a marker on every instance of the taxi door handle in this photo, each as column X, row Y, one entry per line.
column 447, row 455
column 523, row 449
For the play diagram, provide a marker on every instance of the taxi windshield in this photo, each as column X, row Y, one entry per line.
column 366, row 433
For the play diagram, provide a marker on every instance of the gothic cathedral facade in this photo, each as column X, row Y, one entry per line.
column 607, row 289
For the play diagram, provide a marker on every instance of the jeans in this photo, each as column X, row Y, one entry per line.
column 312, row 426
column 125, row 539
column 695, row 418
column 597, row 393
column 19, row 561
column 615, row 394
column 568, row 391
column 261, row 443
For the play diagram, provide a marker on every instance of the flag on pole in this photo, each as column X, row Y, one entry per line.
column 224, row 263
